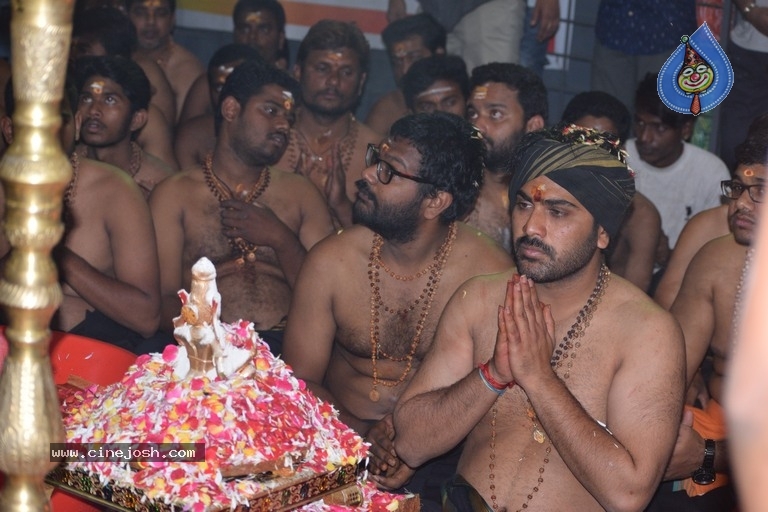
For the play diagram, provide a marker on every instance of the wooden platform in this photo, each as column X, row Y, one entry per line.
column 281, row 494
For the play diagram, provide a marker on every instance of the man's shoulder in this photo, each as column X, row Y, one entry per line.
column 481, row 253
column 337, row 249
column 158, row 169
column 366, row 134
column 179, row 184
column 101, row 177
column 185, row 59
column 634, row 313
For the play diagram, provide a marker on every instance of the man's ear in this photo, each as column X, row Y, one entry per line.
column 686, row 130
column 6, row 125
column 138, row 120
column 230, row 108
column 297, row 71
column 78, row 123
column 437, row 204
column 534, row 123
column 603, row 238
column 363, row 78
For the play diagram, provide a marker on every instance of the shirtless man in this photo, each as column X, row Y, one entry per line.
column 437, row 84
column 633, row 251
column 196, row 137
column 108, row 31
column 107, row 259
column 547, row 430
column 506, row 101
column 707, row 305
column 327, row 143
column 253, row 222
column 114, row 97
column 368, row 299
column 407, row 40
column 259, row 24
column 154, row 21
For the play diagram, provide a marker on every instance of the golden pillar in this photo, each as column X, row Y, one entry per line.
column 34, row 172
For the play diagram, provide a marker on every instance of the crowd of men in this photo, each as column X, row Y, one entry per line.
column 433, row 272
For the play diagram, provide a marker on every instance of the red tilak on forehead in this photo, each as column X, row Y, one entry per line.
column 537, row 192
column 749, row 173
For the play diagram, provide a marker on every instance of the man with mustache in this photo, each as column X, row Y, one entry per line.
column 566, row 380
column 368, row 299
column 708, row 307
column 679, row 178
column 506, row 102
column 254, row 222
column 154, row 21
column 113, row 103
column 107, row 258
column 327, row 143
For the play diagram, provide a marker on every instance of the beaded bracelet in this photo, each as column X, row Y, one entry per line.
column 491, row 383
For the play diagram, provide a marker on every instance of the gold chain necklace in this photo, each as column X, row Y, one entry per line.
column 566, row 350
column 222, row 192
column 427, row 295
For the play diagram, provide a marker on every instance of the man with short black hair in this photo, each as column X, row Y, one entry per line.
column 327, row 143
column 368, row 299
column 437, row 84
column 154, row 21
column 113, row 103
column 253, row 221
column 679, row 178
column 506, row 102
column 557, row 410
column 407, row 41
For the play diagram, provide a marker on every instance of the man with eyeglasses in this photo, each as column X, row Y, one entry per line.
column 679, row 178
column 367, row 300
column 708, row 308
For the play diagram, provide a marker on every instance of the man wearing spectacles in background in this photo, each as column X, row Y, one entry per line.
column 708, row 307
column 679, row 178
column 367, row 301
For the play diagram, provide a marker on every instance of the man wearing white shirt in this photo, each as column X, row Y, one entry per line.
column 679, row 178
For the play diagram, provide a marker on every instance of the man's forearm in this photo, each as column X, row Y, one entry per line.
column 457, row 408
column 120, row 301
column 588, row 449
column 290, row 254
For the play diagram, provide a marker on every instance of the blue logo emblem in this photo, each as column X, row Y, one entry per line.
column 697, row 76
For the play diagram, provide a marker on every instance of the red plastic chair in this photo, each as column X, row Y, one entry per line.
column 96, row 362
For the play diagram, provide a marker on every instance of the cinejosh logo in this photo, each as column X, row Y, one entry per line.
column 128, row 452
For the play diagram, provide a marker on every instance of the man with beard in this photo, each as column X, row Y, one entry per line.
column 368, row 299
column 708, row 306
column 633, row 251
column 253, row 222
column 107, row 258
column 327, row 143
column 506, row 102
column 154, row 21
column 545, row 429
column 113, row 103
column 196, row 137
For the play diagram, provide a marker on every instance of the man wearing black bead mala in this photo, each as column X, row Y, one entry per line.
column 368, row 299
column 567, row 381
column 254, row 222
